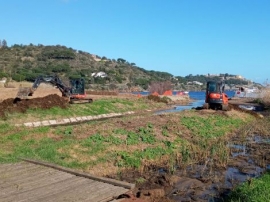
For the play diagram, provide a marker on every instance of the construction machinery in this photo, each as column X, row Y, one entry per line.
column 215, row 97
column 75, row 92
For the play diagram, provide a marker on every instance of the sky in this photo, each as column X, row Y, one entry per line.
column 180, row 37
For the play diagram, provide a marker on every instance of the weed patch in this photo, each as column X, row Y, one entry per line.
column 210, row 126
column 252, row 190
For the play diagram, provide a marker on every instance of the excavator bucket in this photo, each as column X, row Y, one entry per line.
column 24, row 92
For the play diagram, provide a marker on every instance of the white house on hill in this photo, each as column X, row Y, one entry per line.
column 99, row 74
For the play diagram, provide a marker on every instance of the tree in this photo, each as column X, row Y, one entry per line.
column 0, row 43
column 4, row 43
column 120, row 60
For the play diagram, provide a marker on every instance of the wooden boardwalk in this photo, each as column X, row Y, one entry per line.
column 27, row 181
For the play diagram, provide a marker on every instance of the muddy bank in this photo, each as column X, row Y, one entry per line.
column 248, row 157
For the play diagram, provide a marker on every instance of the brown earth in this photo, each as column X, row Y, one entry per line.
column 12, row 105
column 47, row 96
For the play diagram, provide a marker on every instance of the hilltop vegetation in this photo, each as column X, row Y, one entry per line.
column 26, row 62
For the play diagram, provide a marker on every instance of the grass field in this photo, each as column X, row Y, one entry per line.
column 108, row 146
column 137, row 142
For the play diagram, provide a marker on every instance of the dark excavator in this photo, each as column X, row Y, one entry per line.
column 75, row 93
column 215, row 97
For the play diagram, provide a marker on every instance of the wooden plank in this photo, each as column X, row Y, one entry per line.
column 86, row 193
column 21, row 181
column 74, row 194
column 15, row 173
column 4, row 166
column 45, row 183
column 98, row 195
column 86, row 175
column 30, row 195
column 105, row 193
column 82, row 182
column 14, row 167
column 34, row 183
column 16, row 178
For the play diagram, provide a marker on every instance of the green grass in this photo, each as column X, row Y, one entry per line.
column 210, row 126
column 5, row 127
column 101, row 106
column 142, row 140
column 254, row 190
column 63, row 146
column 134, row 159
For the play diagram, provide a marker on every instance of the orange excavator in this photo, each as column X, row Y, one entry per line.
column 75, row 93
column 215, row 97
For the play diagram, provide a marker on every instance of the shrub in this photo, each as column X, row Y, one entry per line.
column 159, row 99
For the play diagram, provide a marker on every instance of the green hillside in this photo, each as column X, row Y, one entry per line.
column 26, row 62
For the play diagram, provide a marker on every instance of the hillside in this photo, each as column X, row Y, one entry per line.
column 26, row 62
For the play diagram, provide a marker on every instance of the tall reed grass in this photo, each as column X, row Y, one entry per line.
column 266, row 97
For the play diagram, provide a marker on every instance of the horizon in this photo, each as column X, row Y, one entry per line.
column 178, row 37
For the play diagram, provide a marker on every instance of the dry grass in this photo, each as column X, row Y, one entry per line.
column 14, row 84
column 266, row 97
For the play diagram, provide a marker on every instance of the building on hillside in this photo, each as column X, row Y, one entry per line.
column 195, row 82
column 99, row 74
column 211, row 75
column 198, row 83
column 239, row 77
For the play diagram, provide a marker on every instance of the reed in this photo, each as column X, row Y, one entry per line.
column 266, row 97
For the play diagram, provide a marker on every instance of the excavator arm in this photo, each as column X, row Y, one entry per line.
column 75, row 93
column 53, row 80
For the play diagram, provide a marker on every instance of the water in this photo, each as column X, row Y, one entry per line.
column 241, row 167
column 195, row 95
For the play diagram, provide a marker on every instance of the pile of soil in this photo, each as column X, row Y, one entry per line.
column 11, row 105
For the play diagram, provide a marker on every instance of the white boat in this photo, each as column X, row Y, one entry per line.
column 182, row 93
column 247, row 107
column 244, row 92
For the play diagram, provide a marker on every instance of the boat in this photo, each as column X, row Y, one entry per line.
column 186, row 92
column 247, row 107
column 182, row 93
column 244, row 92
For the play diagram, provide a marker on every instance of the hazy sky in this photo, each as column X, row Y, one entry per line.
column 177, row 36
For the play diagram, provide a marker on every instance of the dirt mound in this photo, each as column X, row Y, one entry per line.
column 17, row 105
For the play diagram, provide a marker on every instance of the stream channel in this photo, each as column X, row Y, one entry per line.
column 249, row 158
